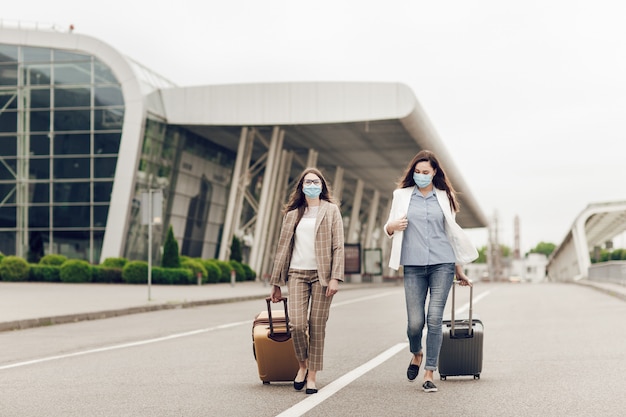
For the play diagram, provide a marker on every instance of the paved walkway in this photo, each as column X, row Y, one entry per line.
column 31, row 304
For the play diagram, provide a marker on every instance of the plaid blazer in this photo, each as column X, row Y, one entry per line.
column 328, row 245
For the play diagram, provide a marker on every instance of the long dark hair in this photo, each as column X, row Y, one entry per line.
column 297, row 199
column 440, row 180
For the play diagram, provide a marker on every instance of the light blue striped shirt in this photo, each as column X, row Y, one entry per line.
column 425, row 241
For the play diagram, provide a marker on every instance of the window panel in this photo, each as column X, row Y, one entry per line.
column 34, row 54
column 72, row 97
column 70, row 216
column 108, row 96
column 39, row 216
column 8, row 216
column 64, row 56
column 40, row 98
column 7, row 243
column 8, row 53
column 8, row 100
column 108, row 119
column 104, row 167
column 40, row 121
column 8, row 75
column 71, row 168
column 103, row 74
column 67, row 144
column 8, row 168
column 39, row 145
column 7, row 193
column 106, row 143
column 38, row 74
column 74, row 73
column 8, row 146
column 71, row 192
column 102, row 191
column 8, row 121
column 39, row 168
column 100, row 214
column 70, row 120
column 41, row 193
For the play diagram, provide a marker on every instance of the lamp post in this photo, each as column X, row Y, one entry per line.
column 151, row 213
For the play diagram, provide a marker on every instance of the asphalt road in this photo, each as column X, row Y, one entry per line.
column 550, row 350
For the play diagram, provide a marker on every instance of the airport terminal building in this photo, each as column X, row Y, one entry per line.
column 86, row 132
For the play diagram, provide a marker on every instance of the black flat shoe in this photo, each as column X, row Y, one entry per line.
column 311, row 390
column 413, row 370
column 299, row 385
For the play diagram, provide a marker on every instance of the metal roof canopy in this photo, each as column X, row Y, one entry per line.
column 371, row 130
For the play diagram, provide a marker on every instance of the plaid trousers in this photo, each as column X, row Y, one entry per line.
column 308, row 325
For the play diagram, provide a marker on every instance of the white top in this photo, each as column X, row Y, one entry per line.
column 303, row 256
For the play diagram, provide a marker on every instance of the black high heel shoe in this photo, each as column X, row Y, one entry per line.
column 311, row 390
column 298, row 385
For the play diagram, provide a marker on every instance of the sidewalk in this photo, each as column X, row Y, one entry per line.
column 31, row 304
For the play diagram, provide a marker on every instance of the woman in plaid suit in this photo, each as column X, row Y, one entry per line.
column 310, row 260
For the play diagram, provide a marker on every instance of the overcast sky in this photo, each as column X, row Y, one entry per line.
column 528, row 97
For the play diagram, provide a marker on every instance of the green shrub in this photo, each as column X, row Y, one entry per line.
column 53, row 260
column 115, row 262
column 240, row 273
column 44, row 273
column 225, row 269
column 171, row 257
column 196, row 267
column 14, row 268
column 161, row 276
column 235, row 250
column 250, row 274
column 135, row 272
column 213, row 271
column 1, row 256
column 75, row 270
column 106, row 274
column 182, row 276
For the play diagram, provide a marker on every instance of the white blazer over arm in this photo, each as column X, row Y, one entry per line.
column 464, row 250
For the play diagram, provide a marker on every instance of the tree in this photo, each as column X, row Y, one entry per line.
column 171, row 257
column 235, row 250
column 544, row 247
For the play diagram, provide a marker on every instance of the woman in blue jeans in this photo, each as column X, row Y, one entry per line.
column 432, row 248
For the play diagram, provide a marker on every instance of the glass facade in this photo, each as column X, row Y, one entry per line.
column 194, row 175
column 61, row 116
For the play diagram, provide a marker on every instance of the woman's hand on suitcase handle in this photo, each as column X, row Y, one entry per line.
column 462, row 279
column 276, row 294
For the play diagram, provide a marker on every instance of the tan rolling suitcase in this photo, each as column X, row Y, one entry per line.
column 273, row 346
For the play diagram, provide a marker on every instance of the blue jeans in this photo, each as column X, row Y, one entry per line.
column 417, row 282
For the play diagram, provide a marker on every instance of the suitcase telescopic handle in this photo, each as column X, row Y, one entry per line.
column 471, row 308
column 269, row 315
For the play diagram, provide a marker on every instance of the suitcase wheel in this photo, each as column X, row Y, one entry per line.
column 442, row 377
column 477, row 376
column 266, row 382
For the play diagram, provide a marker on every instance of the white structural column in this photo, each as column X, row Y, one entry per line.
column 371, row 219
column 312, row 158
column 237, row 187
column 268, row 187
column 275, row 221
column 337, row 185
column 354, row 216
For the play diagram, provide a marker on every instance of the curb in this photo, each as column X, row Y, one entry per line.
column 604, row 289
column 74, row 318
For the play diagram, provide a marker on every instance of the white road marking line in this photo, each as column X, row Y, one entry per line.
column 356, row 300
column 158, row 339
column 330, row 389
column 124, row 345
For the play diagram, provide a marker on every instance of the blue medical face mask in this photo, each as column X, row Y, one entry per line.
column 312, row 191
column 422, row 180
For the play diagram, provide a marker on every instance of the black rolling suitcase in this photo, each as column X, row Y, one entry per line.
column 462, row 346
